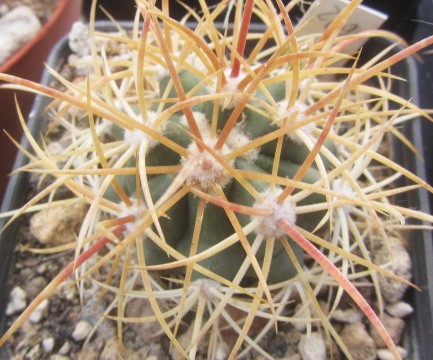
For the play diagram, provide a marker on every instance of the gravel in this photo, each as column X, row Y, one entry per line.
column 20, row 20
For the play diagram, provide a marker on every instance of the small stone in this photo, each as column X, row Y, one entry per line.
column 347, row 316
column 58, row 225
column 17, row 301
column 222, row 351
column 88, row 354
column 185, row 341
column 35, row 286
column 400, row 263
column 79, row 42
column 82, row 66
column 141, row 308
column 69, row 292
column 399, row 309
column 82, row 330
column 42, row 268
column 292, row 338
column 324, row 307
column 139, row 355
column 48, row 345
column 312, row 347
column 293, row 357
column 385, row 354
column 66, row 347
column 40, row 312
column 17, row 27
column 55, row 148
column 393, row 325
column 300, row 314
column 360, row 345
column 111, row 349
column 34, row 352
column 59, row 357
column 27, row 272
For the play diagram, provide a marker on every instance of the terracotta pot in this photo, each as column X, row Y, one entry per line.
column 28, row 63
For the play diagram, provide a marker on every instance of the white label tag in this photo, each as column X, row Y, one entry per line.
column 322, row 12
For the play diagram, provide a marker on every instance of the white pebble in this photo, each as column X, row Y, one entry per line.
column 82, row 66
column 66, row 347
column 48, row 344
column 312, row 347
column 385, row 354
column 222, row 351
column 40, row 312
column 58, row 357
column 17, row 27
column 399, row 309
column 111, row 350
column 17, row 301
column 81, row 331
column 358, row 342
column 399, row 263
column 294, row 357
column 347, row 316
column 394, row 327
column 33, row 352
column 55, row 148
column 300, row 314
column 79, row 41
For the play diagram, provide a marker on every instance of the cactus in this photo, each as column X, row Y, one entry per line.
column 213, row 172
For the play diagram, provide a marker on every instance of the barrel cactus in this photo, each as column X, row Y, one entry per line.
column 213, row 161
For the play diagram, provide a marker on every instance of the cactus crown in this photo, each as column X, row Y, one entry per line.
column 213, row 169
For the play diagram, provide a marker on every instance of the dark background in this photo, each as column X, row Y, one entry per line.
column 401, row 12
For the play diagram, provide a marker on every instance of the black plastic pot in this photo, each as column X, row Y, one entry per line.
column 425, row 67
column 420, row 334
column 420, row 337
column 16, row 191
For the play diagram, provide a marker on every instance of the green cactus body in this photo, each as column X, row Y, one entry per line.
column 179, row 224
column 173, row 223
column 215, row 227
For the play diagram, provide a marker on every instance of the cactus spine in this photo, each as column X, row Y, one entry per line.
column 218, row 172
